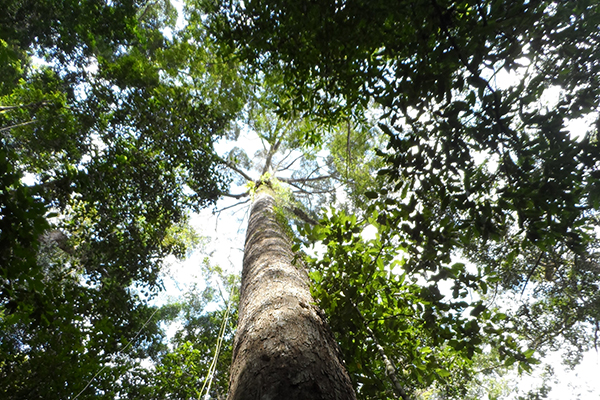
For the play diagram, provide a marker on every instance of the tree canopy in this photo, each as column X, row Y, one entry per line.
column 106, row 146
column 465, row 134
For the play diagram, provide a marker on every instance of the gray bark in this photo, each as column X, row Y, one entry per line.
column 283, row 347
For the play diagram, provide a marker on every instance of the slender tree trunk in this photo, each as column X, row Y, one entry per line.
column 283, row 347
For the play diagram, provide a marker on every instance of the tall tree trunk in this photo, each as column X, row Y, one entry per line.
column 283, row 347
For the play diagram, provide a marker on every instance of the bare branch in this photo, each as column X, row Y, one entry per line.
column 302, row 190
column 8, row 108
column 236, row 196
column 348, row 156
column 313, row 171
column 35, row 104
column 301, row 180
column 285, row 157
column 236, row 169
column 239, row 203
column 303, row 216
column 290, row 164
column 537, row 263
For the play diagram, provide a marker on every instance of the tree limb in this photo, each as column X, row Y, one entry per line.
column 239, row 203
column 303, row 216
column 8, row 128
column 301, row 180
column 301, row 189
column 348, row 150
column 235, row 196
column 270, row 154
column 532, row 271
column 290, row 164
column 236, row 169
column 35, row 104
column 390, row 368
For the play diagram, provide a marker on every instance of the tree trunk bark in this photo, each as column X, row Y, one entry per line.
column 283, row 348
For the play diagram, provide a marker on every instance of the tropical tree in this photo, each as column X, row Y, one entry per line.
column 196, row 358
column 283, row 346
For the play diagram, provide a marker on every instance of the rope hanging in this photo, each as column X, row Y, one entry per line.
column 213, row 365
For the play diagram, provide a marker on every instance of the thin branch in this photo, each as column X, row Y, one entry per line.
column 314, row 171
column 490, row 368
column 236, row 169
column 306, row 194
column 35, row 104
column 285, row 157
column 149, row 5
column 303, row 216
column 8, row 128
column 596, row 336
column 290, row 164
column 391, row 317
column 537, row 263
column 390, row 368
column 8, row 108
column 301, row 189
column 236, row 196
column 300, row 180
column 348, row 150
column 239, row 203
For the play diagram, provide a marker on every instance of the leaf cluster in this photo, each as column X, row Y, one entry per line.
column 429, row 325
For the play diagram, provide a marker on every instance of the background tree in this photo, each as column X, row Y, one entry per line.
column 195, row 363
column 107, row 144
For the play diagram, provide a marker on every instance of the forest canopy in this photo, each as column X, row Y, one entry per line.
column 464, row 133
column 106, row 148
